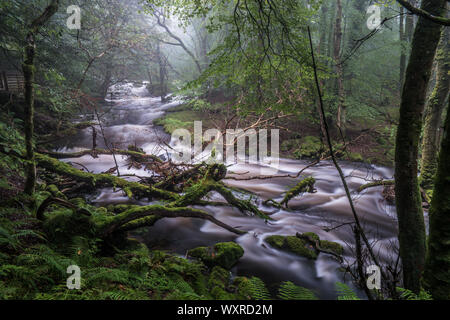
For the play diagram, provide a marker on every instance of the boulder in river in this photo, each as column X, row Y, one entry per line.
column 307, row 245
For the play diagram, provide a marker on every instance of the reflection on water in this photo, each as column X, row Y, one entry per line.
column 129, row 121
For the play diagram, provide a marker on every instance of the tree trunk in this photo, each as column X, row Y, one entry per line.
column 162, row 73
column 339, row 68
column 437, row 269
column 433, row 116
column 29, row 71
column 408, row 199
column 106, row 82
column 402, row 48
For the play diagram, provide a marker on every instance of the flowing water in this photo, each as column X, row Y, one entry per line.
column 128, row 121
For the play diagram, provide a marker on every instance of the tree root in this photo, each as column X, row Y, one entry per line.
column 53, row 200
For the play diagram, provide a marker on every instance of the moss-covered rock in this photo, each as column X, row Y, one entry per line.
column 225, row 254
column 302, row 247
column 292, row 244
column 332, row 246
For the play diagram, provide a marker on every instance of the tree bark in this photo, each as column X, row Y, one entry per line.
column 162, row 73
column 28, row 68
column 437, row 269
column 339, row 68
column 402, row 48
column 435, row 108
column 408, row 199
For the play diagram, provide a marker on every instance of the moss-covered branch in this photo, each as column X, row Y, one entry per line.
column 54, row 200
column 376, row 184
column 141, row 157
column 306, row 185
column 242, row 205
column 132, row 189
column 114, row 223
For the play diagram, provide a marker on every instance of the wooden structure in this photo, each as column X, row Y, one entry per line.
column 11, row 81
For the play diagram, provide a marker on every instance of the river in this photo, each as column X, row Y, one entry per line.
column 129, row 121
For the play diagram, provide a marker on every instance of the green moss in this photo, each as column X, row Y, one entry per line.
column 292, row 244
column 306, row 185
column 55, row 191
column 355, row 157
column 224, row 254
column 99, row 180
column 312, row 235
column 301, row 247
column 275, row 241
column 62, row 225
column 310, row 147
column 332, row 246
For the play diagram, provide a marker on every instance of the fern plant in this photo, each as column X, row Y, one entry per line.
column 289, row 291
column 344, row 292
column 406, row 294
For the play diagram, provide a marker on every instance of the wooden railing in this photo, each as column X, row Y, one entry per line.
column 11, row 81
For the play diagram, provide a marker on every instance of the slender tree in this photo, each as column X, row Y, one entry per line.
column 437, row 269
column 434, row 110
column 28, row 68
column 339, row 67
column 408, row 197
column 402, row 47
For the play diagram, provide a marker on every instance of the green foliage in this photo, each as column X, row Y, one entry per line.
column 251, row 288
column 292, row 244
column 406, row 294
column 224, row 254
column 289, row 291
column 344, row 292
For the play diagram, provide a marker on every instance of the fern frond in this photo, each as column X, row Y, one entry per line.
column 344, row 292
column 289, row 291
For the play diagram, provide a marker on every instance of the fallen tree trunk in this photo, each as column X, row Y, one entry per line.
column 132, row 189
column 141, row 157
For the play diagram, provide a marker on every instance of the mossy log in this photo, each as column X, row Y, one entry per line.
column 132, row 189
column 133, row 217
column 242, row 205
column 386, row 183
column 306, row 185
column 376, row 184
column 138, row 156
column 112, row 224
